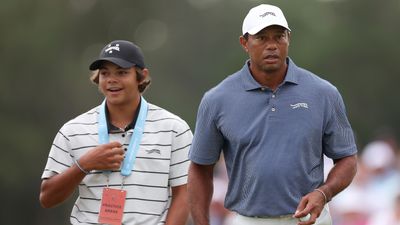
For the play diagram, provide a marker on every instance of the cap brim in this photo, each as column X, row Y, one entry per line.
column 257, row 29
column 120, row 62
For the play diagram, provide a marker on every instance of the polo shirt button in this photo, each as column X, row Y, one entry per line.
column 123, row 135
column 273, row 96
column 273, row 109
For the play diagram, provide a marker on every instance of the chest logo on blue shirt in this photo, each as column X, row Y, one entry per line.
column 299, row 105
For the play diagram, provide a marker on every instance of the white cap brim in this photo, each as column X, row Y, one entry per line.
column 257, row 29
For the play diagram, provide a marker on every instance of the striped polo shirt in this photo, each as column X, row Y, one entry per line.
column 161, row 163
column 273, row 141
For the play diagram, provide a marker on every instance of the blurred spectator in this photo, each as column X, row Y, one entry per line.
column 369, row 199
column 349, row 207
column 389, row 217
column 383, row 184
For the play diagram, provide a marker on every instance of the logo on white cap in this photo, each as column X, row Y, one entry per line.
column 263, row 16
column 110, row 48
column 267, row 13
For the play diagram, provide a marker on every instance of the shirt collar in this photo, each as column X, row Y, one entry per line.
column 249, row 83
column 114, row 129
column 291, row 72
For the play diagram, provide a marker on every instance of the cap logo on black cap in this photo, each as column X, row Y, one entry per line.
column 267, row 13
column 123, row 53
column 110, row 48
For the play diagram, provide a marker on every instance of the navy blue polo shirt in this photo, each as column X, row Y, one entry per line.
column 273, row 142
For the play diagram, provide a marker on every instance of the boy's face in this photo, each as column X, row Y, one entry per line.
column 118, row 85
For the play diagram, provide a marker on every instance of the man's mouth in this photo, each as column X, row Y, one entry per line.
column 272, row 56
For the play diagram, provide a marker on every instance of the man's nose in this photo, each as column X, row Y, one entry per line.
column 271, row 45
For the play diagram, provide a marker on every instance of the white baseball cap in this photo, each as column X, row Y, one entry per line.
column 263, row 16
column 377, row 155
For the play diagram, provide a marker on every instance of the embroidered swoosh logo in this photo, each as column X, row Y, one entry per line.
column 299, row 105
column 151, row 151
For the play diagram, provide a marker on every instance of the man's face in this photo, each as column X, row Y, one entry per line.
column 119, row 85
column 268, row 48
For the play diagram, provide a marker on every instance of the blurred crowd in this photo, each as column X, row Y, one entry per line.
column 373, row 198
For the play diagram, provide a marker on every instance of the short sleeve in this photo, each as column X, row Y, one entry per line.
column 181, row 143
column 59, row 158
column 338, row 140
column 208, row 140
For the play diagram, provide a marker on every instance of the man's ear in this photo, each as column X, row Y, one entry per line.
column 243, row 43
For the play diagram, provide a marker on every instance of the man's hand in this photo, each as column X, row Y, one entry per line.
column 313, row 203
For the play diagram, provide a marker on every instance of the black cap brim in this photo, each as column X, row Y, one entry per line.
column 120, row 62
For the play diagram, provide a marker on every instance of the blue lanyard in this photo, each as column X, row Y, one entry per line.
column 134, row 143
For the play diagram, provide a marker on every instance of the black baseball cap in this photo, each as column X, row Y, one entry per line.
column 123, row 53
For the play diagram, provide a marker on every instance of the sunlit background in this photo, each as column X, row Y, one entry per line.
column 189, row 46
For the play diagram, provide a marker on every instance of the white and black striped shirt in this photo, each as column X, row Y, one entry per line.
column 161, row 163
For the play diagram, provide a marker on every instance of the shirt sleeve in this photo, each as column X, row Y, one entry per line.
column 338, row 139
column 179, row 154
column 208, row 140
column 59, row 158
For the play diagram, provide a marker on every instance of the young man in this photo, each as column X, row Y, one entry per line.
column 273, row 121
column 127, row 157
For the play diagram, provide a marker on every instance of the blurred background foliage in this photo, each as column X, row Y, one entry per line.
column 189, row 46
